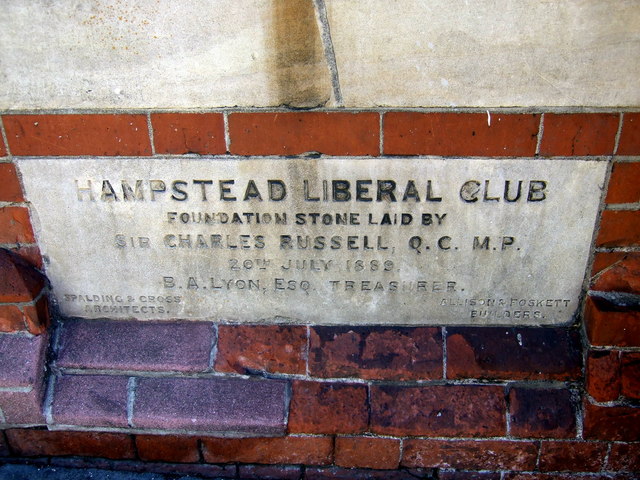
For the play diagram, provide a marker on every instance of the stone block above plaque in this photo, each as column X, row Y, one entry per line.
column 402, row 241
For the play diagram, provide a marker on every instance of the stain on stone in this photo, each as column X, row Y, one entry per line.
column 299, row 68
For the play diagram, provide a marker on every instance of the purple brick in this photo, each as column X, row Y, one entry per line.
column 21, row 378
column 210, row 404
column 117, row 345
column 90, row 400
column 21, row 360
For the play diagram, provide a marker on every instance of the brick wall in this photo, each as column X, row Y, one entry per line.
column 363, row 402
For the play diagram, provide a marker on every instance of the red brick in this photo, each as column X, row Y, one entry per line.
column 579, row 134
column 273, row 348
column 367, row 452
column 631, row 375
column 37, row 317
column 460, row 134
column 438, row 411
column 630, row 135
column 376, row 353
column 34, row 443
column 603, row 260
column 30, row 254
column 15, row 225
column 619, row 228
column 10, row 189
column 603, row 375
column 513, row 353
column 471, row 454
column 71, row 135
column 542, row 412
column 624, row 457
column 323, row 407
column 3, row 148
column 611, row 423
column 167, row 448
column 572, row 456
column 624, row 184
column 292, row 133
column 622, row 276
column 292, row 450
column 19, row 282
column 11, row 319
column 180, row 133
column 609, row 325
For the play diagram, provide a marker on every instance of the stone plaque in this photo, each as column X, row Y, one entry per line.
column 326, row 241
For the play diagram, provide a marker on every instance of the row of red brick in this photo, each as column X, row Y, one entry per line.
column 330, row 133
column 341, row 451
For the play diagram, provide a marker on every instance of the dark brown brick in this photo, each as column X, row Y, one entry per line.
column 542, row 412
column 10, row 189
column 34, row 443
column 367, row 452
column 611, row 423
column 269, row 472
column 624, row 457
column 513, row 353
column 167, row 448
column 15, row 225
column 460, row 134
column 37, row 316
column 72, row 135
column 337, row 473
column 609, row 325
column 294, row 133
column 180, row 133
column 603, row 260
column 273, row 450
column 603, row 375
column 624, row 186
column 623, row 275
column 376, row 353
column 579, row 134
column 438, row 411
column 11, row 319
column 561, row 476
column 19, row 281
column 471, row 454
column 630, row 375
column 572, row 456
column 271, row 348
column 327, row 407
column 619, row 228
column 630, row 135
column 3, row 148
column 468, row 475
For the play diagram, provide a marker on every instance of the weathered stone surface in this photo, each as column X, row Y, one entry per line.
column 163, row 54
column 329, row 241
column 486, row 53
